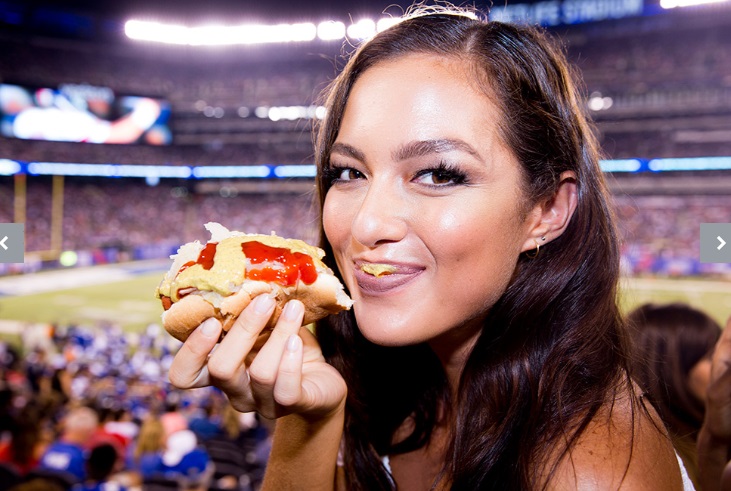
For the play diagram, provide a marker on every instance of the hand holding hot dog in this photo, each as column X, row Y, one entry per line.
column 235, row 289
column 274, row 374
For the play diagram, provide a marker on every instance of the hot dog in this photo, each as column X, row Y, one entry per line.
column 221, row 277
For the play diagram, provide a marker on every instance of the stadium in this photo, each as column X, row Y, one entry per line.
column 224, row 133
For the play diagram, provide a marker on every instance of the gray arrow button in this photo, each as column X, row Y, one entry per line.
column 713, row 242
column 12, row 242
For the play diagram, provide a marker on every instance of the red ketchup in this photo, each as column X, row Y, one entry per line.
column 291, row 266
column 205, row 258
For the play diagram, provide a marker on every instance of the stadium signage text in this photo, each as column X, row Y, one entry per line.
column 555, row 12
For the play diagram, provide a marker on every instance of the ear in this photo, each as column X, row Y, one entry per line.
column 549, row 218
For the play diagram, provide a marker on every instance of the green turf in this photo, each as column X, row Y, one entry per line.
column 130, row 303
column 710, row 296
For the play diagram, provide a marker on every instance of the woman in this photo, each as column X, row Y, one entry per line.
column 673, row 344
column 714, row 437
column 457, row 152
column 145, row 451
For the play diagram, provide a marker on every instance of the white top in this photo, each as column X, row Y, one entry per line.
column 687, row 483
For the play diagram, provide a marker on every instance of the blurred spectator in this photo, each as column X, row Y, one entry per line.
column 183, row 460
column 67, row 455
column 173, row 421
column 714, row 439
column 206, row 423
column 150, row 441
column 673, row 344
column 25, row 445
column 100, row 465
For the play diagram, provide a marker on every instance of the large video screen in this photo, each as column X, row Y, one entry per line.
column 83, row 113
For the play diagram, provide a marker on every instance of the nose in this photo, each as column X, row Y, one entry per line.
column 381, row 216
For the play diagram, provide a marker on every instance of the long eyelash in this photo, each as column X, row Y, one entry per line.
column 331, row 173
column 458, row 176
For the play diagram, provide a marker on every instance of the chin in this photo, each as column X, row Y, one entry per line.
column 390, row 331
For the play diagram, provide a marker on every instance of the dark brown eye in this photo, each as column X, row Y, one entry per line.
column 442, row 177
column 348, row 174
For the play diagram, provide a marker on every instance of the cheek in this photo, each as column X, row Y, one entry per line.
column 482, row 245
column 335, row 221
column 474, row 230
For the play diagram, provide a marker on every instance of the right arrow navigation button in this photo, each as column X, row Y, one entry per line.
column 714, row 237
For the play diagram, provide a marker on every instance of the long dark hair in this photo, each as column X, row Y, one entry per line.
column 553, row 350
column 668, row 340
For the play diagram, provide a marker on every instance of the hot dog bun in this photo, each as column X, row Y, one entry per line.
column 221, row 277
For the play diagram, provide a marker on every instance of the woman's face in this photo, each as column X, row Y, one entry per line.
column 699, row 378
column 423, row 186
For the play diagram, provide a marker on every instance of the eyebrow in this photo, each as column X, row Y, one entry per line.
column 348, row 151
column 419, row 148
column 422, row 148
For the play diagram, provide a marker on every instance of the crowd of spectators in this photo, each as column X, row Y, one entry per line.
column 90, row 408
column 134, row 218
column 661, row 234
column 682, row 50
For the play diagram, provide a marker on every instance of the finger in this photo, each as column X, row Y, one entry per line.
column 226, row 365
column 722, row 353
column 264, row 368
column 726, row 478
column 288, row 386
column 188, row 368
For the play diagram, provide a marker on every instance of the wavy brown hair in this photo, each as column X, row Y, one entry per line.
column 553, row 348
column 668, row 340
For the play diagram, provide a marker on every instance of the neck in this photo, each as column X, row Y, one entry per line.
column 453, row 348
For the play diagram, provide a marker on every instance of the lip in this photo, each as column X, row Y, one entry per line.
column 371, row 285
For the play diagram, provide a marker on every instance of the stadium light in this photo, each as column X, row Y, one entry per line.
column 386, row 22
column 363, row 29
column 219, row 35
column 330, row 30
column 622, row 165
column 295, row 171
column 9, row 167
column 289, row 113
column 671, row 4
column 215, row 35
column 232, row 171
column 688, row 164
column 153, row 173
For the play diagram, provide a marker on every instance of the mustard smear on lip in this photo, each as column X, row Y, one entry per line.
column 378, row 270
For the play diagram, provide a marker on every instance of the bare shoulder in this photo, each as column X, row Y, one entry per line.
column 624, row 447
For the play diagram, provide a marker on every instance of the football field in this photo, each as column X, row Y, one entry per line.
column 124, row 294
column 120, row 294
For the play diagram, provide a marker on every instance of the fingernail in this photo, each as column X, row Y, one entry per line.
column 263, row 303
column 294, row 343
column 209, row 328
column 292, row 310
